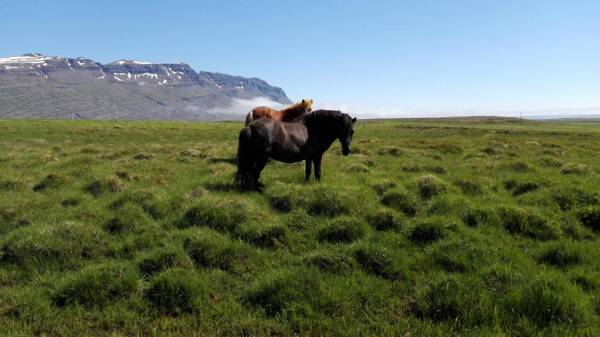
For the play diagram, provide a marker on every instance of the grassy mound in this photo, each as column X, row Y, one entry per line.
column 211, row 250
column 220, row 215
column 270, row 237
column 50, row 181
column 383, row 220
column 286, row 292
column 379, row 262
column 331, row 262
column 527, row 223
column 161, row 259
column 343, row 230
column 427, row 232
column 590, row 217
column 547, row 300
column 147, row 200
column 561, row 255
column 42, row 246
column 99, row 187
column 430, row 186
column 456, row 301
column 97, row 285
column 401, row 201
column 177, row 291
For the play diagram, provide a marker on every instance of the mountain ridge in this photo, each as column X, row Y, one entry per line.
column 38, row 86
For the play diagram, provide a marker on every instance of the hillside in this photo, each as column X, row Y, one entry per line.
column 37, row 86
column 429, row 228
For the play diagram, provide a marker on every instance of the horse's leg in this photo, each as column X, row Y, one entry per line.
column 318, row 166
column 260, row 165
column 307, row 169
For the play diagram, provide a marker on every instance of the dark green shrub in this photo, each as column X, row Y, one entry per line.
column 430, row 186
column 222, row 216
column 590, row 217
column 162, row 259
column 379, row 262
column 211, row 250
column 527, row 223
column 270, row 237
column 401, row 201
column 50, row 181
column 383, row 220
column 332, row 262
column 97, row 285
column 176, row 291
column 427, row 232
column 343, row 230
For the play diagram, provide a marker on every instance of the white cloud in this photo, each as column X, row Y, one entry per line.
column 242, row 106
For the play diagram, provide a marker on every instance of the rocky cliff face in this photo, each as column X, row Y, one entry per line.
column 37, row 86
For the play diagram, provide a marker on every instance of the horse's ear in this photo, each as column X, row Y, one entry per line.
column 353, row 120
column 303, row 102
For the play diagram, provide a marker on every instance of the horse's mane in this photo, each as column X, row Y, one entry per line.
column 297, row 109
column 324, row 117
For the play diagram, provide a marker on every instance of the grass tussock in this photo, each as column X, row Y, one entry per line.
column 269, row 237
column 384, row 220
column 521, row 221
column 42, row 246
column 177, row 291
column 427, row 232
column 97, row 285
column 220, row 215
column 400, row 200
column 430, row 186
column 332, row 262
column 208, row 249
column 343, row 230
column 379, row 262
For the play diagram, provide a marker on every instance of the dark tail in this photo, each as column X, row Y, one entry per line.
column 249, row 117
column 244, row 177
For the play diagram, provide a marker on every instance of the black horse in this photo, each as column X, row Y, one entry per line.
column 307, row 138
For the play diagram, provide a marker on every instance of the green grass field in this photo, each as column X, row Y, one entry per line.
column 473, row 227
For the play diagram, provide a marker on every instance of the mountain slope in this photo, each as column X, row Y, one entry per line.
column 37, row 86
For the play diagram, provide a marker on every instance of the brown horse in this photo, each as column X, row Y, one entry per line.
column 286, row 115
column 305, row 139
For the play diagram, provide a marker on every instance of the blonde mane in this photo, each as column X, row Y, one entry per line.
column 297, row 109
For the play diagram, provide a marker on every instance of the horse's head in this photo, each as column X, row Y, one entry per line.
column 346, row 133
column 307, row 104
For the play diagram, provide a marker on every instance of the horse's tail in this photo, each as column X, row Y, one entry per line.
column 250, row 117
column 245, row 160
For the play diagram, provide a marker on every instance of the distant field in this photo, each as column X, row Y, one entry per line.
column 454, row 227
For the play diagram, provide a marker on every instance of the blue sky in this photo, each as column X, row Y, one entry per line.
column 391, row 58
